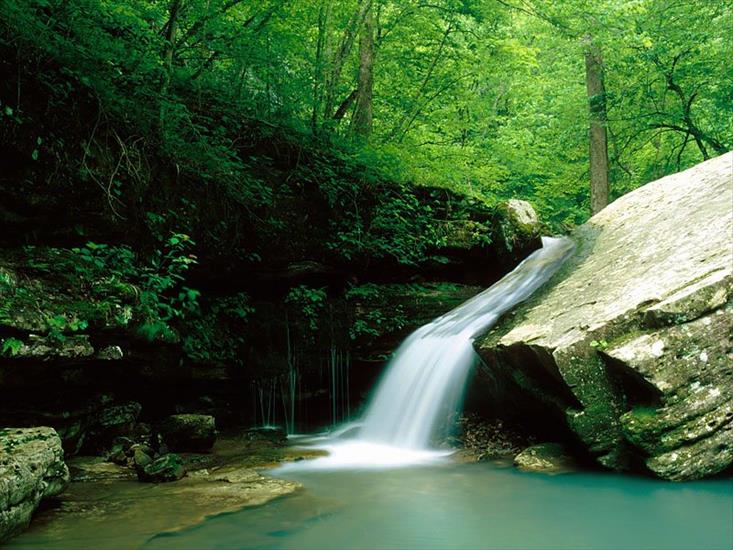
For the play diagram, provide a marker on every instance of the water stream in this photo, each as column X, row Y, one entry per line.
column 475, row 506
column 425, row 380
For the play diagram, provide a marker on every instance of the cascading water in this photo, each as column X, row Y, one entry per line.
column 425, row 378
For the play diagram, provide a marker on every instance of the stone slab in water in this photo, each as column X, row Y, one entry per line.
column 549, row 458
column 632, row 341
column 31, row 468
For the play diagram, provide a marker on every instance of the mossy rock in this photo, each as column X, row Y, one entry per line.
column 189, row 432
column 167, row 468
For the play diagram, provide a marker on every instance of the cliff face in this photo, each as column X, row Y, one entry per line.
column 95, row 321
column 633, row 342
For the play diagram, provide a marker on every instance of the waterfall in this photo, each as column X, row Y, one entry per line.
column 425, row 379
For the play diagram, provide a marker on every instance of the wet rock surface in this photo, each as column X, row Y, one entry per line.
column 480, row 439
column 32, row 468
column 632, row 342
column 549, row 458
column 105, row 495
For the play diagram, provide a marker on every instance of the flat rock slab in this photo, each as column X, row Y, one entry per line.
column 632, row 340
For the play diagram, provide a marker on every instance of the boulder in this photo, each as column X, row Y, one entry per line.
column 142, row 457
column 548, row 458
column 166, row 468
column 523, row 216
column 521, row 225
column 189, row 432
column 271, row 434
column 109, row 424
column 31, row 468
column 631, row 342
column 517, row 222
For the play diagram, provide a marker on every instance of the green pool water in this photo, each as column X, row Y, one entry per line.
column 474, row 506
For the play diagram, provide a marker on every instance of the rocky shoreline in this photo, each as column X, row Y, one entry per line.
column 113, row 489
column 102, row 493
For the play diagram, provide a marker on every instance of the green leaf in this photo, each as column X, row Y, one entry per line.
column 10, row 347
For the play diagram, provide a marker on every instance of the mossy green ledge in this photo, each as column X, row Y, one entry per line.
column 632, row 340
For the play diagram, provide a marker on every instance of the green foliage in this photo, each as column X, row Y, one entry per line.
column 58, row 325
column 239, row 132
column 308, row 303
column 10, row 347
column 485, row 98
column 599, row 344
column 119, row 286
column 382, row 309
column 218, row 332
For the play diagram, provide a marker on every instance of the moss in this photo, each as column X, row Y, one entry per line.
column 640, row 427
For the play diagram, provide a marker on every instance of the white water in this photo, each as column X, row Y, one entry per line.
column 425, row 379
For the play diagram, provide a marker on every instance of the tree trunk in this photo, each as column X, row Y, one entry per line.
column 363, row 114
column 323, row 13
column 170, row 43
column 599, row 189
column 339, row 58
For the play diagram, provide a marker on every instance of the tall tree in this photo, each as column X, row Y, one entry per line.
column 599, row 188
column 171, row 28
column 340, row 56
column 363, row 115
column 323, row 13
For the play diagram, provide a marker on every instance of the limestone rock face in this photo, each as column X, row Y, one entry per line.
column 632, row 340
column 31, row 468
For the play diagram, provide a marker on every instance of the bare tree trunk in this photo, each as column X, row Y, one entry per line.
column 170, row 43
column 323, row 13
column 363, row 115
column 339, row 58
column 599, row 189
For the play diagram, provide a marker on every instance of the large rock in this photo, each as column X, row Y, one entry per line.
column 189, row 432
column 165, row 468
column 31, row 468
column 632, row 340
column 110, row 423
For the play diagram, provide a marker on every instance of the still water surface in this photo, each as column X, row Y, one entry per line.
column 475, row 506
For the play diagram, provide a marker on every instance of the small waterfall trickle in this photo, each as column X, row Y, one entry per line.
column 339, row 363
column 425, row 379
